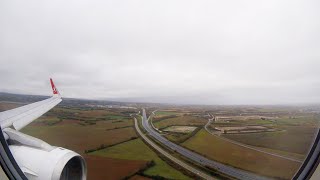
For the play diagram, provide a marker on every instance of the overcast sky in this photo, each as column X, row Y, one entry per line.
column 203, row 52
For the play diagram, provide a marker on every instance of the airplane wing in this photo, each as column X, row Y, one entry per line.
column 22, row 116
column 37, row 159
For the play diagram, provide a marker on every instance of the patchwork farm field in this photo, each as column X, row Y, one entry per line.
column 177, row 126
column 78, row 137
column 107, row 139
column 137, row 150
column 96, row 131
column 243, row 158
column 285, row 131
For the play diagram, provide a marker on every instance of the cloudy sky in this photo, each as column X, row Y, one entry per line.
column 175, row 51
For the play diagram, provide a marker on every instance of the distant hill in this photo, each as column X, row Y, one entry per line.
column 26, row 99
column 21, row 98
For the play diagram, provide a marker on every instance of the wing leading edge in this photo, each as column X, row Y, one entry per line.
column 22, row 116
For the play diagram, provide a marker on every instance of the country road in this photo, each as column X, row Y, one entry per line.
column 225, row 169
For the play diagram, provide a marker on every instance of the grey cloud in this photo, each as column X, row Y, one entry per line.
column 210, row 52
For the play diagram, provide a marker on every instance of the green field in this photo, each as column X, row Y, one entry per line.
column 177, row 137
column 180, row 137
column 49, row 121
column 166, row 113
column 294, row 139
column 296, row 156
column 306, row 120
column 79, row 138
column 83, row 128
column 88, row 116
column 60, row 128
column 246, row 122
column 181, row 120
column 115, row 117
column 243, row 158
column 137, row 150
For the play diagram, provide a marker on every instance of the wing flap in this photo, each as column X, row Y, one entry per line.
column 26, row 118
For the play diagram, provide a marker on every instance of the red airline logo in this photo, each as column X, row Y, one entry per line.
column 54, row 89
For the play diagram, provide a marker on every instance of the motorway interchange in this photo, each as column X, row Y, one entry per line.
column 225, row 169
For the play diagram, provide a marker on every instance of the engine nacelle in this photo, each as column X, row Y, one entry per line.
column 56, row 164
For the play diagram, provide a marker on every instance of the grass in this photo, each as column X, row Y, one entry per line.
column 116, row 168
column 68, row 133
column 61, row 127
column 284, row 153
column 177, row 137
column 181, row 120
column 294, row 139
column 88, row 116
column 180, row 129
column 49, row 121
column 181, row 137
column 300, row 120
column 137, row 150
column 79, row 138
column 243, row 122
column 115, row 117
column 240, row 157
column 166, row 113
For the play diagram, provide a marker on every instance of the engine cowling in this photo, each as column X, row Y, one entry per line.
column 56, row 164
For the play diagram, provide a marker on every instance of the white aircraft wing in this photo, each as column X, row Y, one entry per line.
column 22, row 116
column 37, row 159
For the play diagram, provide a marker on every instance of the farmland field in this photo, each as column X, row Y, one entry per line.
column 78, row 137
column 116, row 168
column 82, row 130
column 181, row 120
column 166, row 113
column 293, row 134
column 243, row 158
column 285, row 131
column 137, row 150
column 293, row 139
column 180, row 129
column 8, row 105
column 107, row 139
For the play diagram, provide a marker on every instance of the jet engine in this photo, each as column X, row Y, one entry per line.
column 40, row 161
column 57, row 164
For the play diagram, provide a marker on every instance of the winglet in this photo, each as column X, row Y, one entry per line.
column 54, row 89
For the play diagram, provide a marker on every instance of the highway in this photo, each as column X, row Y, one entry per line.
column 165, row 153
column 228, row 170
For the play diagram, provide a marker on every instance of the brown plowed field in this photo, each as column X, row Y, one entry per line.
column 137, row 177
column 101, row 168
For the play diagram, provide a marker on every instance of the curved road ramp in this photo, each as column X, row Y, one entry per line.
column 225, row 169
